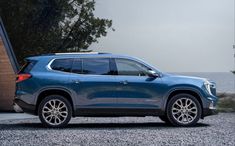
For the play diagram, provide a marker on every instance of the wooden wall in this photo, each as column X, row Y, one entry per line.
column 7, row 80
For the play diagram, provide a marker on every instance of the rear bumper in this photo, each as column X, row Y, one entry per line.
column 17, row 108
column 20, row 106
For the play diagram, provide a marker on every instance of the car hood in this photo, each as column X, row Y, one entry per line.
column 180, row 79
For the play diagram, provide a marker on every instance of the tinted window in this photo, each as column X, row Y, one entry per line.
column 27, row 67
column 77, row 66
column 62, row 65
column 97, row 66
column 130, row 68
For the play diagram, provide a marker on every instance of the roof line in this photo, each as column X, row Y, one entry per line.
column 74, row 53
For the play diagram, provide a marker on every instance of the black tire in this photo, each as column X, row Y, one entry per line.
column 196, row 115
column 165, row 119
column 67, row 108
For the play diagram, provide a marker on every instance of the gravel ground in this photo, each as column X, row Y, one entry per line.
column 214, row 130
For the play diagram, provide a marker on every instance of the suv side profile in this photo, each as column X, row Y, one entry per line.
column 59, row 86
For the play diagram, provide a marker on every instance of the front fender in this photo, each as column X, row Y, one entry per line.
column 182, row 89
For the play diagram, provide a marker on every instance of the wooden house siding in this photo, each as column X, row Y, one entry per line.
column 8, row 70
column 7, row 80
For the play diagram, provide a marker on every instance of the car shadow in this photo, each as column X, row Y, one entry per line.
column 92, row 126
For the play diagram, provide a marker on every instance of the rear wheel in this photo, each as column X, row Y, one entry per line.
column 183, row 110
column 55, row 111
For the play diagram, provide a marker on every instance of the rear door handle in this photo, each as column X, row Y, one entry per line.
column 76, row 81
column 124, row 82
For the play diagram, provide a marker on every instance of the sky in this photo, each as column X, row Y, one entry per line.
column 172, row 35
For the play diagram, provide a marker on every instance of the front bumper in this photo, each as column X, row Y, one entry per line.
column 210, row 109
column 20, row 106
column 209, row 112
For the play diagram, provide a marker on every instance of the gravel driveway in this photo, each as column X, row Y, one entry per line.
column 214, row 130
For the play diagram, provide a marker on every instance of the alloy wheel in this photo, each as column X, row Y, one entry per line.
column 184, row 110
column 55, row 112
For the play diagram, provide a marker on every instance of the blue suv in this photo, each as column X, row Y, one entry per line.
column 59, row 86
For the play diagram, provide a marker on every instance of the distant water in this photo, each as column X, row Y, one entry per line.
column 224, row 80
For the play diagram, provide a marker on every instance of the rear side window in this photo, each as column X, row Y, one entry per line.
column 27, row 67
column 62, row 65
column 96, row 66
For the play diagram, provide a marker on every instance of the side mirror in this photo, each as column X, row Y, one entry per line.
column 152, row 74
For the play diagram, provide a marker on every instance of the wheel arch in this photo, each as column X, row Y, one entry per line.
column 54, row 91
column 192, row 92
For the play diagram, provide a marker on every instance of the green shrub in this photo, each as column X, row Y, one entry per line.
column 226, row 102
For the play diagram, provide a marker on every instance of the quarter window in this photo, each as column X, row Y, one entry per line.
column 77, row 66
column 62, row 65
column 96, row 66
column 27, row 67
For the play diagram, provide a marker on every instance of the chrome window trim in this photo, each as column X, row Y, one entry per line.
column 111, row 57
column 50, row 62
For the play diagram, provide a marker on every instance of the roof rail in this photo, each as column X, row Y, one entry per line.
column 78, row 53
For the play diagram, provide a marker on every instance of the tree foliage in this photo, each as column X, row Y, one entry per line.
column 47, row 26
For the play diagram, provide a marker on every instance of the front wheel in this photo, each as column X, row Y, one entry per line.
column 183, row 110
column 55, row 111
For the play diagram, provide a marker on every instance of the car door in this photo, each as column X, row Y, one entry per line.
column 94, row 84
column 136, row 89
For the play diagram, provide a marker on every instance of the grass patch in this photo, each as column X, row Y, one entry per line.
column 226, row 102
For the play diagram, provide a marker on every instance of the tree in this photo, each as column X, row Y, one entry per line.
column 46, row 26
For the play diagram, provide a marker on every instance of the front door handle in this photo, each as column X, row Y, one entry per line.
column 124, row 82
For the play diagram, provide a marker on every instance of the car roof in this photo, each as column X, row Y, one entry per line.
column 85, row 55
column 76, row 54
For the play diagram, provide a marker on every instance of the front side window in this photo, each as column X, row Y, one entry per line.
column 62, row 65
column 130, row 68
column 96, row 66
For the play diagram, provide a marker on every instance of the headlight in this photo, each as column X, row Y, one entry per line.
column 208, row 86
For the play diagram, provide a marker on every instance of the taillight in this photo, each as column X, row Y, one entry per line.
column 22, row 77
